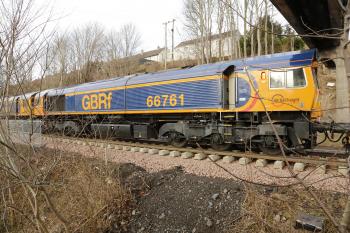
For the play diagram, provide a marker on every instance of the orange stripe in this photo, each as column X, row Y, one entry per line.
column 252, row 104
column 139, row 111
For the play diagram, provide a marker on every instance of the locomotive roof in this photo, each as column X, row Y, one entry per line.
column 273, row 61
column 27, row 95
column 279, row 60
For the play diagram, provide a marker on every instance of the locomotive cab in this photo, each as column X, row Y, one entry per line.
column 38, row 104
column 25, row 103
column 286, row 90
column 282, row 89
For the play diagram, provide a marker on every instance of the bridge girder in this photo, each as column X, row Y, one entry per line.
column 314, row 20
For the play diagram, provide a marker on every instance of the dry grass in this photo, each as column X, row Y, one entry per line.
column 260, row 208
column 82, row 190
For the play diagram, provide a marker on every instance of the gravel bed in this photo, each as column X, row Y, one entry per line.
column 332, row 181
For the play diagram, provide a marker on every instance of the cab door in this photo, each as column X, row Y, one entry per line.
column 243, row 90
column 239, row 90
column 232, row 93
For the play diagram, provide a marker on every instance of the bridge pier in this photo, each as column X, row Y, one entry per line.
column 342, row 104
column 342, row 88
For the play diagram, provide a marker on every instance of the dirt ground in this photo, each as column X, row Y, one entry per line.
column 95, row 195
column 174, row 201
column 180, row 202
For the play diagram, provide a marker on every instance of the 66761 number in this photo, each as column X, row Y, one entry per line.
column 172, row 100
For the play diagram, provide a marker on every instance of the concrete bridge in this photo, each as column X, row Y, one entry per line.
column 324, row 24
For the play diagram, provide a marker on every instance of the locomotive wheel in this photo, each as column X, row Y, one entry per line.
column 177, row 139
column 217, row 143
column 68, row 131
column 71, row 128
column 270, row 145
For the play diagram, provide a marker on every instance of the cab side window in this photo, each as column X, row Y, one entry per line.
column 295, row 78
column 292, row 78
column 277, row 79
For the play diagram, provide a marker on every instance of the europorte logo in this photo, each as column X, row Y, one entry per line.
column 278, row 100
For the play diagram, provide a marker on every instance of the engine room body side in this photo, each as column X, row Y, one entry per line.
column 193, row 93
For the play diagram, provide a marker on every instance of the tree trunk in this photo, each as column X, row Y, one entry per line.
column 202, row 43
column 258, row 33
column 239, row 47
column 245, row 28
column 232, row 43
column 252, row 52
column 220, row 21
column 272, row 39
column 208, row 13
column 265, row 32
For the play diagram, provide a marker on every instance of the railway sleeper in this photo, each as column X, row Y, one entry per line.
column 298, row 163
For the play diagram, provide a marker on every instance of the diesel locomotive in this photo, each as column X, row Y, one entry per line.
column 222, row 104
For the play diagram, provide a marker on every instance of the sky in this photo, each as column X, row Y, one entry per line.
column 147, row 15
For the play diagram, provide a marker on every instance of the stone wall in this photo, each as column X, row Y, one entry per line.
column 24, row 131
column 326, row 79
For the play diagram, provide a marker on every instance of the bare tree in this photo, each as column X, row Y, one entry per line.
column 238, row 40
column 113, row 48
column 87, row 45
column 130, row 39
column 245, row 27
column 251, row 25
column 60, row 51
column 265, row 27
column 194, row 25
column 258, row 31
column 272, row 32
column 23, row 42
column 231, row 26
column 220, row 23
column 198, row 23
column 210, row 5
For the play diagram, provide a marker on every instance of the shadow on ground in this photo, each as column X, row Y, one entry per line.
column 173, row 201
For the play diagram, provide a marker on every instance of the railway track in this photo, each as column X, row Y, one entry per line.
column 312, row 160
